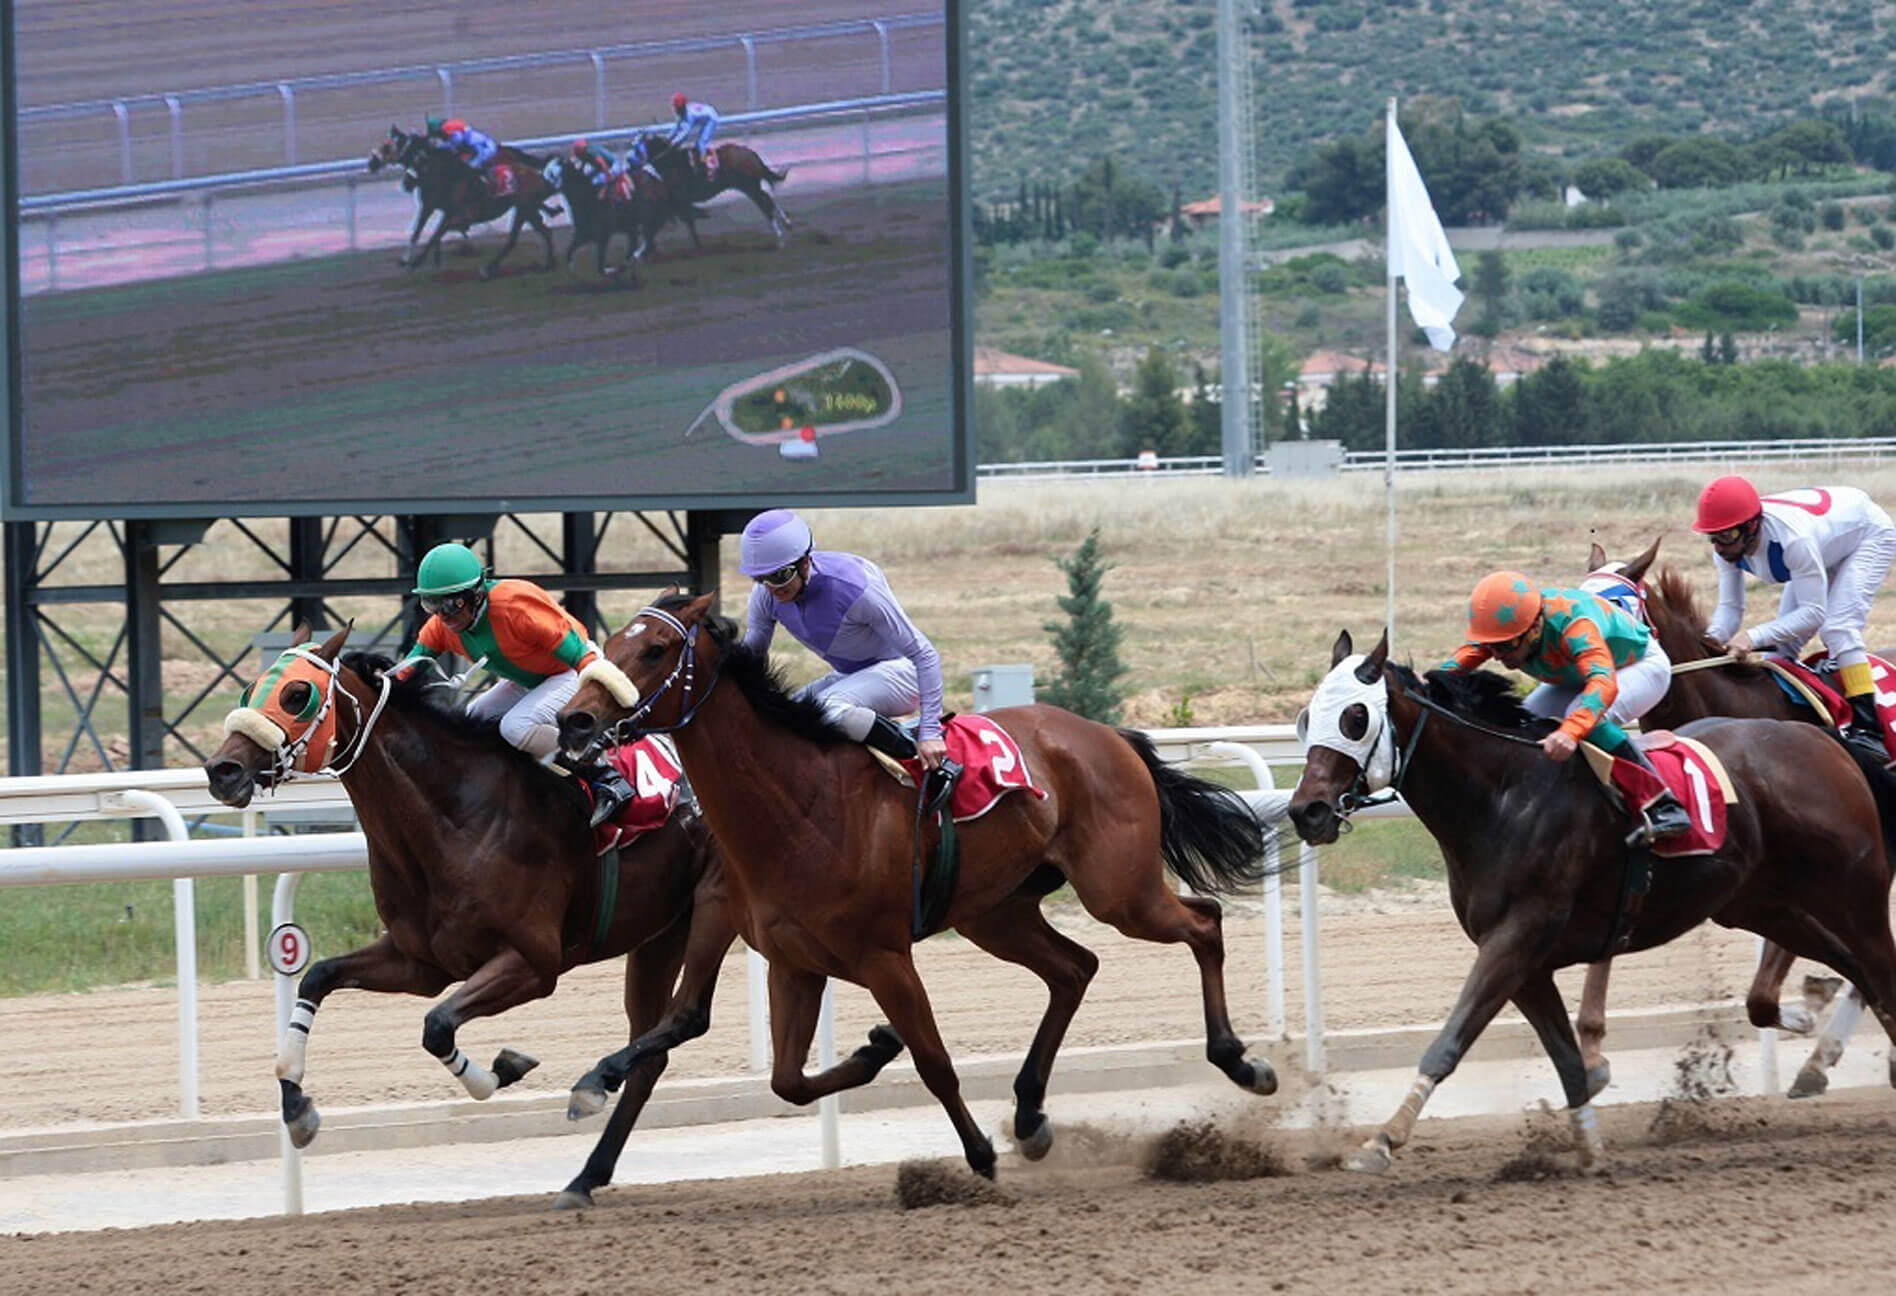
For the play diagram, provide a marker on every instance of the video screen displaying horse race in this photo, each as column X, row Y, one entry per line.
column 643, row 254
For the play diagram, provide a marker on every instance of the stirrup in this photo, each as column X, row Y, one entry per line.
column 610, row 793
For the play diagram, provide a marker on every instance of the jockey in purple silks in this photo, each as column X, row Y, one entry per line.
column 839, row 606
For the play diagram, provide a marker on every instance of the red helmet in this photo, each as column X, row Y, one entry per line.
column 1501, row 607
column 579, row 146
column 453, row 126
column 1726, row 503
column 679, row 101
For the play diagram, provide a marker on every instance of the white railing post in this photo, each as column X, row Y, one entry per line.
column 251, row 939
column 829, row 1107
column 127, row 174
column 289, row 122
column 750, row 71
column 283, row 910
column 1313, row 988
column 599, row 89
column 757, row 982
column 173, row 107
column 184, row 934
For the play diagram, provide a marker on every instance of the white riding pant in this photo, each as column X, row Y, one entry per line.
column 529, row 717
column 1851, row 588
column 1641, row 686
column 853, row 701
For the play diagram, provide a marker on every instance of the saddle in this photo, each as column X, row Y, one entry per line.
column 502, row 180
column 1813, row 683
column 1695, row 775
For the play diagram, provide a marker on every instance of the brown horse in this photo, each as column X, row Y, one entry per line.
column 1536, row 859
column 483, row 871
column 1718, row 687
column 443, row 183
column 738, row 167
column 818, row 844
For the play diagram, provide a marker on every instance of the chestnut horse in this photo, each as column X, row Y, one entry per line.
column 1535, row 857
column 1707, row 682
column 442, row 182
column 739, row 167
column 817, row 843
column 483, row 871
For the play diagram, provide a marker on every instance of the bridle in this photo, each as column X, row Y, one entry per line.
column 683, row 676
column 291, row 756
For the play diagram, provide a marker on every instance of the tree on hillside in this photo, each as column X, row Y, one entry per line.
column 1698, row 161
column 1087, row 681
column 1491, row 285
column 1609, row 177
column 1153, row 417
column 1111, row 203
column 1641, row 152
column 1342, row 181
column 1549, row 406
column 1802, row 146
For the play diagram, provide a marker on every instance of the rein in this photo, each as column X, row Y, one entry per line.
column 1706, row 663
column 628, row 727
column 1353, row 800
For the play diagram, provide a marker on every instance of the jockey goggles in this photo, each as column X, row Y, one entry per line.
column 451, row 604
column 781, row 577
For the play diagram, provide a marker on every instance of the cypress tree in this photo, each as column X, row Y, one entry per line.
column 1088, row 644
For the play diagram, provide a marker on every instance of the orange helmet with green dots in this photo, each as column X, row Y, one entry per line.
column 1502, row 606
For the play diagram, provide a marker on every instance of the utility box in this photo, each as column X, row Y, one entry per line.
column 1003, row 686
column 1305, row 459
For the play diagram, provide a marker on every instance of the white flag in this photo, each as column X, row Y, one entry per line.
column 1418, row 249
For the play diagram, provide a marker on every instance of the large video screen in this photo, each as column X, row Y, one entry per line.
column 269, row 265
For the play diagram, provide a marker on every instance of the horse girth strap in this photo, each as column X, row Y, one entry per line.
column 933, row 886
column 608, row 902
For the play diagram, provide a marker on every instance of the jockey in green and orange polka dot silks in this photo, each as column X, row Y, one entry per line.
column 1596, row 664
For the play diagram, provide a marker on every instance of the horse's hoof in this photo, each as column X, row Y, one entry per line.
column 572, row 1199
column 1037, row 1144
column 1256, row 1075
column 1598, row 1078
column 511, row 1064
column 303, row 1128
column 1796, row 1021
column 584, row 1103
column 1371, row 1158
column 1811, row 1081
column 1592, row 1167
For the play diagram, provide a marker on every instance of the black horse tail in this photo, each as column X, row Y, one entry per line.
column 1209, row 837
column 775, row 177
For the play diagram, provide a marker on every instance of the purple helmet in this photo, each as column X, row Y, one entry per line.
column 772, row 541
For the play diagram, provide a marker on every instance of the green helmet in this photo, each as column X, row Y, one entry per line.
column 435, row 124
column 448, row 569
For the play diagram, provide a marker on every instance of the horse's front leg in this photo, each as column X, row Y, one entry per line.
column 1539, row 1000
column 1503, row 963
column 380, row 967
column 492, row 268
column 1592, row 1024
column 409, row 258
column 505, row 980
column 546, row 236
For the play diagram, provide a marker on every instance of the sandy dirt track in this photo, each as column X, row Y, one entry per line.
column 1749, row 1197
column 1388, row 961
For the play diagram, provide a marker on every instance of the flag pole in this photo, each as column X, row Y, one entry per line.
column 1389, row 369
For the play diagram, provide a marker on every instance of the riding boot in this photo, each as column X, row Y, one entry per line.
column 1865, row 729
column 1665, row 816
column 887, row 737
column 610, row 791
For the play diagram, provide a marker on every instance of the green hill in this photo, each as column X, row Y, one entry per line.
column 1057, row 81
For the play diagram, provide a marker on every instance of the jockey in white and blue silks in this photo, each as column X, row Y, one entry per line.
column 697, row 123
column 476, row 148
column 840, row 607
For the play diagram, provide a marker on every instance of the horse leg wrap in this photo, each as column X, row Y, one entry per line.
column 476, row 1079
column 1586, row 1137
column 1402, row 1124
column 295, row 1042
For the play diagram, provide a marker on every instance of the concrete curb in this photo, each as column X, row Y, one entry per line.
column 162, row 1143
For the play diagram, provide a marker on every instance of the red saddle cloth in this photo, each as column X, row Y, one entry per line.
column 1693, row 776
column 991, row 761
column 502, row 180
column 1823, row 683
column 648, row 766
column 620, row 190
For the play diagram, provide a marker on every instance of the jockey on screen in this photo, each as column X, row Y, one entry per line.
column 1597, row 667
column 1830, row 548
column 522, row 635
column 840, row 607
column 697, row 124
column 596, row 164
column 476, row 149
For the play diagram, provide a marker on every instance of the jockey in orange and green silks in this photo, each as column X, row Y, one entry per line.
column 516, row 630
column 1598, row 667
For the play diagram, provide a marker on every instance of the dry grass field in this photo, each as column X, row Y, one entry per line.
column 1229, row 594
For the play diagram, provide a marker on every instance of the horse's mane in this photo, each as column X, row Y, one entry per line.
column 1484, row 697
column 416, row 697
column 1675, row 616
column 761, row 683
